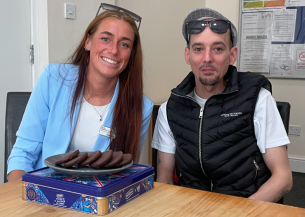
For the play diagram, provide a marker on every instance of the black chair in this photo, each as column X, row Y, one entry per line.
column 15, row 106
column 284, row 110
column 154, row 152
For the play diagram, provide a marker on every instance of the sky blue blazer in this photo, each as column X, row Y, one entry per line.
column 45, row 129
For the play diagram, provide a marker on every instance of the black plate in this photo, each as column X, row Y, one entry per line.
column 84, row 171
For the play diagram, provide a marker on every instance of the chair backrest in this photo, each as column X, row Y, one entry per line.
column 284, row 110
column 154, row 152
column 15, row 106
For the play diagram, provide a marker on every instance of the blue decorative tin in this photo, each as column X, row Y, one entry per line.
column 98, row 194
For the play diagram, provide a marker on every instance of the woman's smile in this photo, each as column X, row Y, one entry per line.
column 110, row 60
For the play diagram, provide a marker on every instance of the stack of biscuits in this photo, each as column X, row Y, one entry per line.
column 96, row 160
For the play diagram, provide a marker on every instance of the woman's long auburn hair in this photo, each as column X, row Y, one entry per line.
column 127, row 115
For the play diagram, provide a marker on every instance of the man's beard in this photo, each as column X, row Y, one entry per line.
column 209, row 81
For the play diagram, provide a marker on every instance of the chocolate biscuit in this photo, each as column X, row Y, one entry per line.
column 67, row 158
column 117, row 157
column 104, row 158
column 76, row 160
column 126, row 159
column 91, row 158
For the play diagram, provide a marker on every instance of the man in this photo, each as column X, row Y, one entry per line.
column 220, row 129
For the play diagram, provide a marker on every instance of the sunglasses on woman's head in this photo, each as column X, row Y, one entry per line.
column 217, row 26
column 109, row 7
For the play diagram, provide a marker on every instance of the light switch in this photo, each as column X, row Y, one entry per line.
column 294, row 130
column 70, row 11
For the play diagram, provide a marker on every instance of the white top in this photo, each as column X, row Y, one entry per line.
column 268, row 126
column 87, row 127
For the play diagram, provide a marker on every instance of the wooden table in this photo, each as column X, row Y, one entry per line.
column 163, row 200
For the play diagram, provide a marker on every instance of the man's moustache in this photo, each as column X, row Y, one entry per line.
column 208, row 66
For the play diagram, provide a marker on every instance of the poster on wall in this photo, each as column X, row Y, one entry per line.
column 272, row 41
column 256, row 42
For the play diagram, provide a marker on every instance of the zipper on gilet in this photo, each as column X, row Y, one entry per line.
column 200, row 126
column 257, row 168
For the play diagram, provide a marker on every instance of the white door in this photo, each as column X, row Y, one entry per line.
column 15, row 64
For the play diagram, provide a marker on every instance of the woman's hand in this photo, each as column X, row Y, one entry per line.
column 15, row 174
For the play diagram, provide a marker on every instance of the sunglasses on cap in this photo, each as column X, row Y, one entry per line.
column 217, row 26
column 109, row 7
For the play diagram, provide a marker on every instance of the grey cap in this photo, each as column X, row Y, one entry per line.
column 206, row 13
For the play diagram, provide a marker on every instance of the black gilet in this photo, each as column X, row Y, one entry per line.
column 216, row 147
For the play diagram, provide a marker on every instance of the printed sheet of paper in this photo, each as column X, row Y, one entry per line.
column 284, row 25
column 256, row 42
column 300, row 60
column 281, row 59
column 294, row 3
column 288, row 60
column 252, row 5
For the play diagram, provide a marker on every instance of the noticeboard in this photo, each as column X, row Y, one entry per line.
column 272, row 38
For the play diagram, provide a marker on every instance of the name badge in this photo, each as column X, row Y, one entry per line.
column 105, row 131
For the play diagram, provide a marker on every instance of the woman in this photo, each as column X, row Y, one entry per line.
column 94, row 103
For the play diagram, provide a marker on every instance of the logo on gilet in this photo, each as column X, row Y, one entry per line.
column 233, row 114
